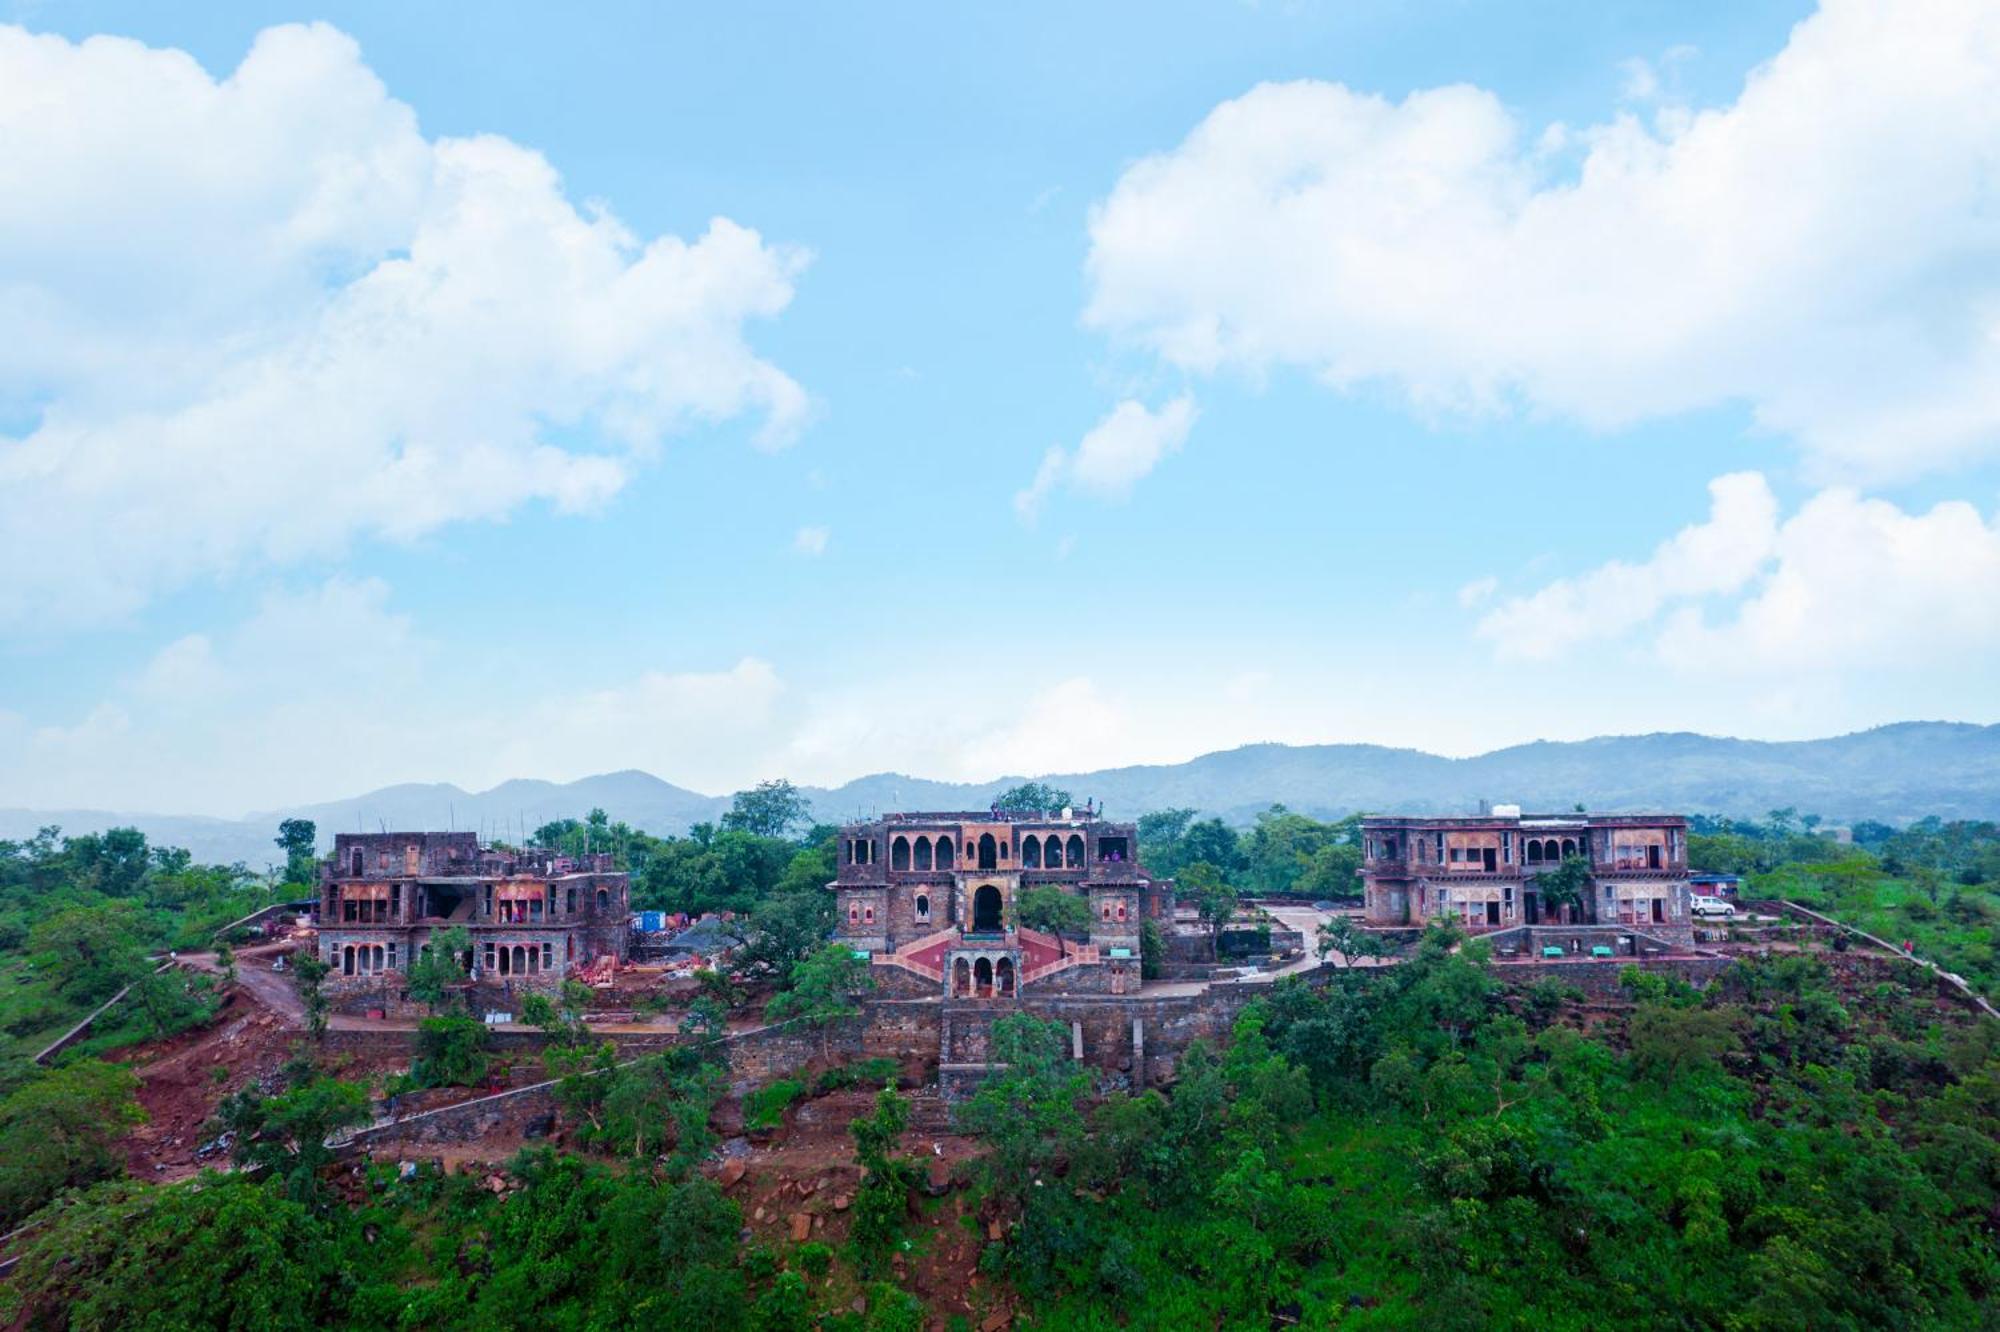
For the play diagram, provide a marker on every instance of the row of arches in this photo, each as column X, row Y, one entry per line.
column 982, row 977
column 365, row 959
column 923, row 854
column 1037, row 853
column 1549, row 850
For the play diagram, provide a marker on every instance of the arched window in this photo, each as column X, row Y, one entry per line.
column 961, row 977
column 347, row 960
column 986, row 909
column 357, row 864
column 1569, row 847
column 853, row 914
column 1031, row 852
column 944, row 854
column 604, row 899
column 982, row 976
column 989, row 851
column 1003, row 975
column 923, row 908
column 379, row 954
column 899, row 854
column 1075, row 851
column 923, row 859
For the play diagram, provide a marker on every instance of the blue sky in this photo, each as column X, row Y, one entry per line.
column 1447, row 375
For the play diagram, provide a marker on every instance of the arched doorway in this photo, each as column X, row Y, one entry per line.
column 899, row 854
column 961, row 977
column 923, row 856
column 1003, row 976
column 1075, row 851
column 982, row 977
column 944, row 853
column 986, row 909
column 989, row 851
column 1031, row 852
column 347, row 960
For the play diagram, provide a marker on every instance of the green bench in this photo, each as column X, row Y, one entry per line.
column 1552, row 951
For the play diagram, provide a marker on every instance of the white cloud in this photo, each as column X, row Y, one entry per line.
column 1719, row 555
column 251, row 319
column 1825, row 248
column 1859, row 584
column 1478, row 592
column 1117, row 452
column 1845, row 586
column 810, row 541
column 1066, row 727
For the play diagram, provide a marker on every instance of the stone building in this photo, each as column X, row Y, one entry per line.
column 1485, row 871
column 534, row 916
column 937, row 894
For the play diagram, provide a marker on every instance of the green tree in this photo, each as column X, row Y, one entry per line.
column 91, row 950
column 1566, row 885
column 297, row 838
column 665, row 1100
column 59, row 1129
column 433, row 974
column 1030, row 1108
column 220, row 1251
column 225, row 962
column 1214, row 897
column 782, row 931
column 1034, row 798
column 1341, row 936
column 451, row 1051
column 287, row 1133
column 769, row 809
column 823, row 990
column 883, row 1200
column 1048, row 907
column 308, row 978
column 1152, row 950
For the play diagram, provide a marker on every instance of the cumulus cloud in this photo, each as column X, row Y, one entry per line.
column 329, row 690
column 1117, row 452
column 1825, row 248
column 1845, row 584
column 252, row 318
column 1718, row 555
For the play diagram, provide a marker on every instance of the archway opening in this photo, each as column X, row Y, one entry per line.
column 506, row 961
column 1003, row 976
column 1075, row 851
column 923, row 908
column 986, row 909
column 944, row 853
column 989, row 851
column 357, row 864
column 1031, row 852
column 899, row 854
column 923, row 860
column 961, row 977
column 982, row 977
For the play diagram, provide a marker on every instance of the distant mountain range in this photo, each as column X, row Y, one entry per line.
column 1893, row 773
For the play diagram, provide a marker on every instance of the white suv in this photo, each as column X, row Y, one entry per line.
column 1715, row 907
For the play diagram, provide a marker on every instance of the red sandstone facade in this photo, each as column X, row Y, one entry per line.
column 936, row 894
column 534, row 916
column 1485, row 871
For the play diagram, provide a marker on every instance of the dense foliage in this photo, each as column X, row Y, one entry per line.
column 1418, row 1147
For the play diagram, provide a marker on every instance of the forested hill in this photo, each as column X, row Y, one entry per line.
column 1890, row 773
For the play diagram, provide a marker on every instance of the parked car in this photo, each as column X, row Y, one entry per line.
column 1714, row 907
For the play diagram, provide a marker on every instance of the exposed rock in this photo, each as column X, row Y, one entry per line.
column 841, row 1202
column 732, row 1171
column 937, row 1177
column 802, row 1224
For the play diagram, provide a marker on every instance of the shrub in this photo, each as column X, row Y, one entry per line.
column 765, row 1107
